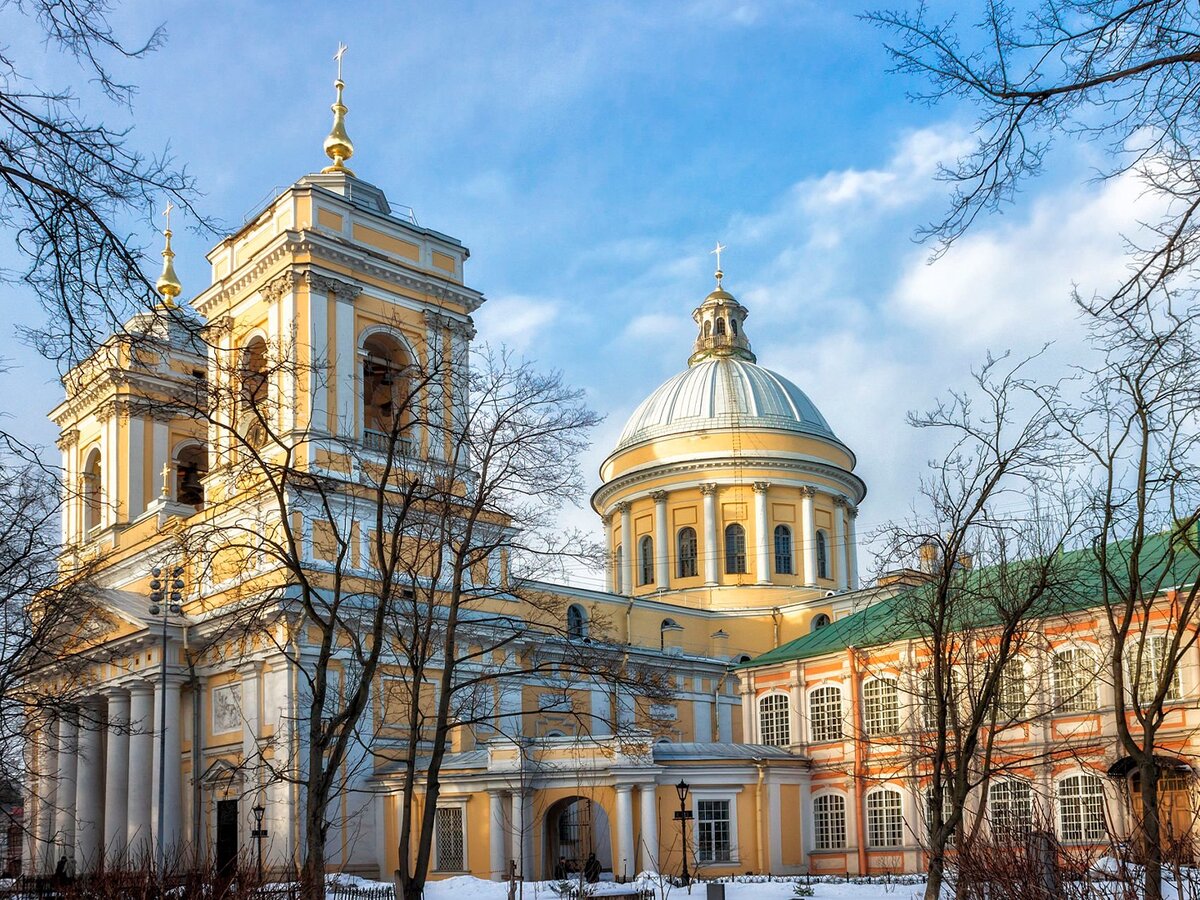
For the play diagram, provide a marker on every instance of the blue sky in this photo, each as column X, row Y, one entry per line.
column 590, row 154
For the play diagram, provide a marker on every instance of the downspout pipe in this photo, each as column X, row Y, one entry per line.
column 860, row 830
column 760, row 830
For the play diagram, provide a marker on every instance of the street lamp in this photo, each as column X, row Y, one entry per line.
column 259, row 833
column 683, row 816
column 164, row 603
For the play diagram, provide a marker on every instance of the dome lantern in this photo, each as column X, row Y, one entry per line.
column 720, row 325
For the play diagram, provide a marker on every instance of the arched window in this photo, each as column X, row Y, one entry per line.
column 881, row 707
column 822, row 555
column 733, row 327
column 253, row 373
column 1081, row 809
column 885, row 819
column 93, row 491
column 619, row 569
column 707, row 330
column 720, row 327
column 825, row 714
column 191, row 465
column 774, row 720
column 685, row 554
column 576, row 622
column 783, row 550
column 387, row 406
column 1010, row 810
column 829, row 822
column 1074, row 681
column 646, row 560
column 819, row 621
column 735, row 549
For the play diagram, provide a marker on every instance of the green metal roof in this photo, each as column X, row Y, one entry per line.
column 1075, row 586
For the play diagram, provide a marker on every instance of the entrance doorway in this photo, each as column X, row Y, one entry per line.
column 576, row 827
column 227, row 838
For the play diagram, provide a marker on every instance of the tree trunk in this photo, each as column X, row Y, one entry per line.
column 1149, row 830
column 935, row 875
column 312, row 877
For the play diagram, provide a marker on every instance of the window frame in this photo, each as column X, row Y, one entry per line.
column 787, row 557
column 1085, row 824
column 1084, row 697
column 460, row 806
column 687, row 563
column 780, row 723
column 893, row 715
column 730, row 801
column 1151, row 665
column 738, row 555
column 887, row 824
column 577, row 630
column 825, row 831
column 1010, row 830
column 822, row 554
column 645, row 560
column 826, row 729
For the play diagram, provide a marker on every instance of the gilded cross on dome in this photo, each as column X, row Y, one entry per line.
column 341, row 51
column 717, row 251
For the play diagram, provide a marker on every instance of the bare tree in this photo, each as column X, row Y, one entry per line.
column 70, row 185
column 1117, row 74
column 1136, row 421
column 990, row 542
column 393, row 567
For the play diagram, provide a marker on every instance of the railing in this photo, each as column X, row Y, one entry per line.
column 381, row 442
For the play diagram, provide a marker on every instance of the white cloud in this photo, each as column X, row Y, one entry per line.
column 516, row 320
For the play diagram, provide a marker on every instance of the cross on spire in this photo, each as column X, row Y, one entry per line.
column 341, row 51
column 717, row 251
column 167, row 212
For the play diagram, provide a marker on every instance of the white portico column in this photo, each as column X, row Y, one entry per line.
column 711, row 551
column 168, row 760
column 141, row 761
column 610, row 575
column 626, row 858
column 497, row 836
column 89, row 802
column 808, row 534
column 68, row 770
column 852, row 548
column 840, row 542
column 627, row 549
column 522, row 836
column 662, row 556
column 762, row 554
column 649, row 804
column 116, row 777
column 47, row 800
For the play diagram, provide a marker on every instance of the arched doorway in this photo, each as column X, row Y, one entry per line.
column 575, row 828
column 1176, row 799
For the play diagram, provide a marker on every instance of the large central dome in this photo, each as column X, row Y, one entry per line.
column 724, row 392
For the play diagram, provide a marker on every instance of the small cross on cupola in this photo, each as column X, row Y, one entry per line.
column 720, row 319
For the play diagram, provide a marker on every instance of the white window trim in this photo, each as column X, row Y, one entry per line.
column 787, row 697
column 460, row 803
column 896, row 683
column 1092, row 655
column 904, row 817
column 698, row 794
column 1058, row 809
column 808, row 709
column 831, row 792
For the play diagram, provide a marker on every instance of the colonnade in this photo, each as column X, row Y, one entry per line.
column 512, row 831
column 841, row 546
column 94, row 785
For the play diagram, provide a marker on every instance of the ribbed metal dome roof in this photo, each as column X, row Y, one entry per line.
column 719, row 393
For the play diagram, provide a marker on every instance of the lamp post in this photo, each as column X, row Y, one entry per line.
column 158, row 607
column 258, row 834
column 684, row 815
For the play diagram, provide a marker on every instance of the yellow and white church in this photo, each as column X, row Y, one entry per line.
column 728, row 506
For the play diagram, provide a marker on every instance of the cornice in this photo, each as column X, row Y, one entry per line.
column 601, row 499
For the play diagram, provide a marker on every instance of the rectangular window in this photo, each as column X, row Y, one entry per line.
column 1074, row 683
column 774, row 720
column 881, row 707
column 829, row 822
column 885, row 822
column 449, row 839
column 825, row 714
column 713, row 831
column 1014, row 696
column 1144, row 674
